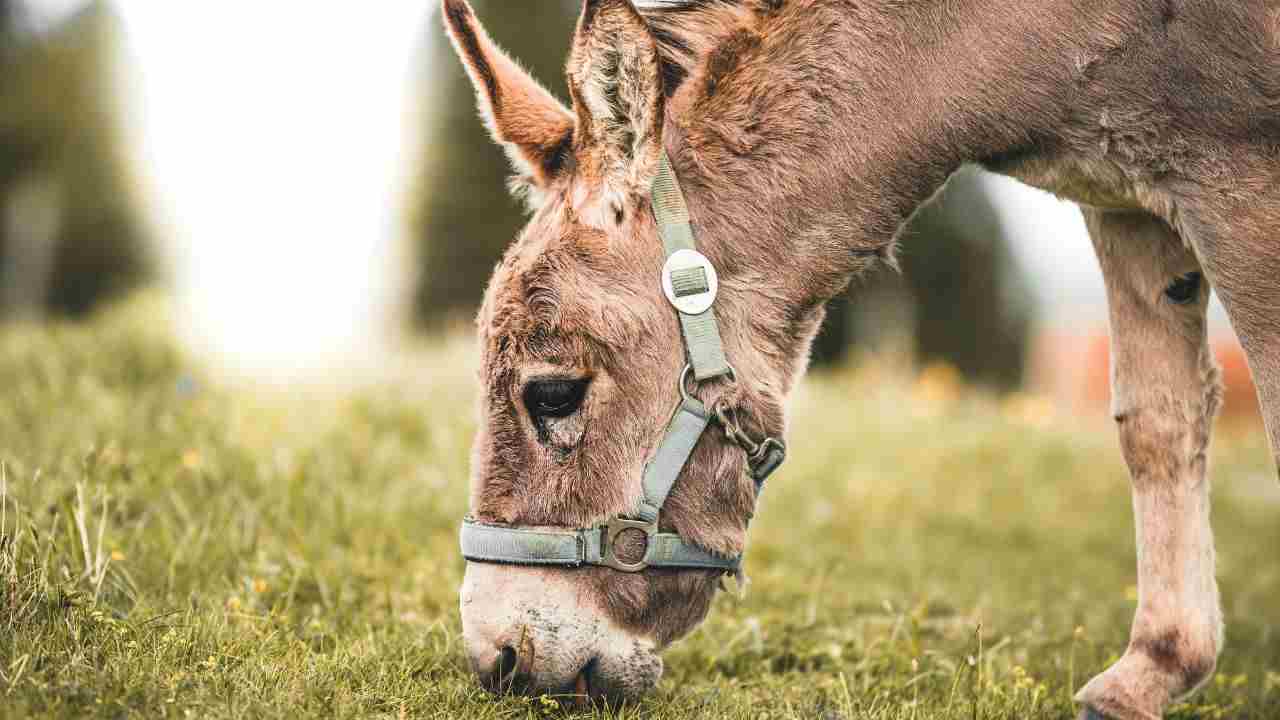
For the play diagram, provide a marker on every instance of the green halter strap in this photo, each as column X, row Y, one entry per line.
column 690, row 283
column 688, row 278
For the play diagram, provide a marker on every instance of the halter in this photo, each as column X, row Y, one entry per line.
column 690, row 284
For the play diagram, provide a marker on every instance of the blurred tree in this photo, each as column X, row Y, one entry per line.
column 464, row 218
column 68, row 232
column 968, row 302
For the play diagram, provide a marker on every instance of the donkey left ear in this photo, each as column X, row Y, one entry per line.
column 535, row 129
column 616, row 83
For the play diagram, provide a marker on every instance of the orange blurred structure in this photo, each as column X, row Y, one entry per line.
column 1075, row 369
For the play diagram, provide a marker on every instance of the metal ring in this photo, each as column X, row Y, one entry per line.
column 684, row 379
column 613, row 529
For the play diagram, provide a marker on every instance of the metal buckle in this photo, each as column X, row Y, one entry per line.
column 616, row 527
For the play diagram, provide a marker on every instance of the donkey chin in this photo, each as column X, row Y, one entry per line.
column 534, row 631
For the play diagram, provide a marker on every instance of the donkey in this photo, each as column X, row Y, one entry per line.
column 803, row 134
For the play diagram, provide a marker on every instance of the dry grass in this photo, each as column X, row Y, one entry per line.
column 172, row 549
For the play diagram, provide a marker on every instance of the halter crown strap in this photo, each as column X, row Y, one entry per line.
column 688, row 274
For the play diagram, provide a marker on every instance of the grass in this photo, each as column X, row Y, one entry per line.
column 172, row 549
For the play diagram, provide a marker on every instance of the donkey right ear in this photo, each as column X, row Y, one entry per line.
column 535, row 129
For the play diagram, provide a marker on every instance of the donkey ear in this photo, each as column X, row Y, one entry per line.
column 616, row 82
column 535, row 129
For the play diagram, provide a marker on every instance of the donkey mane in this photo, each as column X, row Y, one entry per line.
column 686, row 29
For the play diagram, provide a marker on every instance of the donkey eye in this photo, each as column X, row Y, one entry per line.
column 1184, row 289
column 554, row 398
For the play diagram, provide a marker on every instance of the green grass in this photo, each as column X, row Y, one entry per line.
column 173, row 549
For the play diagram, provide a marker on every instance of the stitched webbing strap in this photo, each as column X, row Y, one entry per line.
column 686, row 426
column 701, row 332
column 573, row 548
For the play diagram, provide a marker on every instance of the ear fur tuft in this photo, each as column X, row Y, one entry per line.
column 615, row 79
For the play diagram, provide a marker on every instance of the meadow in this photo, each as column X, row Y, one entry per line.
column 173, row 547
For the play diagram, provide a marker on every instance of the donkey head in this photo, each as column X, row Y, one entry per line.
column 581, row 362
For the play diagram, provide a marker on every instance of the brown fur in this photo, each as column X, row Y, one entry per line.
column 804, row 133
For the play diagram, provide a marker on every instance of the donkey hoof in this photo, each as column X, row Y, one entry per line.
column 1120, row 693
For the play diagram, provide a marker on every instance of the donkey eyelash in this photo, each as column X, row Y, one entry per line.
column 554, row 397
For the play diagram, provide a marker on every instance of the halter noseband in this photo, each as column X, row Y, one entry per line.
column 690, row 284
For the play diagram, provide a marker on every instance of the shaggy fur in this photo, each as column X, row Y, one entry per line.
column 805, row 133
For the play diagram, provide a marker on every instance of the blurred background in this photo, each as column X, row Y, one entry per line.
column 308, row 186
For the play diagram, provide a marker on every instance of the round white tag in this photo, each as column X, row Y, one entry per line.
column 689, row 281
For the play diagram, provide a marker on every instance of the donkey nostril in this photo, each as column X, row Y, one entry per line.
column 504, row 666
column 512, row 670
column 507, row 661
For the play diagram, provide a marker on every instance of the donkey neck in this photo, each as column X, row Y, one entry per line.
column 815, row 128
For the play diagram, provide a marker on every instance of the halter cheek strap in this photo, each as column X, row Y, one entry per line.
column 690, row 283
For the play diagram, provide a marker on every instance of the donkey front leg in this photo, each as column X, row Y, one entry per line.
column 1165, row 393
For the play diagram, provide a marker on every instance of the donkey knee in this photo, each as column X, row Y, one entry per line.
column 1167, row 435
column 1158, row 442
